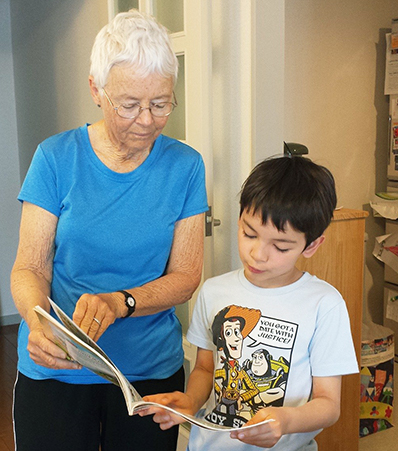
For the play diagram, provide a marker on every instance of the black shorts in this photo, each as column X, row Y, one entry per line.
column 54, row 416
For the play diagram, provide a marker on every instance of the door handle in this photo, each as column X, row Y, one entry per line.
column 210, row 222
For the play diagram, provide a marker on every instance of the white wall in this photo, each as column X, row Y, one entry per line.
column 9, row 168
column 268, row 71
column 51, row 47
column 45, row 51
column 334, row 103
column 248, row 41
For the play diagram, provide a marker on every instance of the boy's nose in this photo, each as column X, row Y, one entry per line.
column 259, row 253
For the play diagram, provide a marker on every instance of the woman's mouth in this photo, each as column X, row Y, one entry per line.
column 142, row 135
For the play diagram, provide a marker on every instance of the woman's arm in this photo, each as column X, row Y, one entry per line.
column 32, row 271
column 182, row 277
column 31, row 279
column 183, row 272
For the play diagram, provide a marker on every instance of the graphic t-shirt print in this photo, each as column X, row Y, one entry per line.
column 253, row 362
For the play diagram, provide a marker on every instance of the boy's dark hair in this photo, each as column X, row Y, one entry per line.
column 291, row 190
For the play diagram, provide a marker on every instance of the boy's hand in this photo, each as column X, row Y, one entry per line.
column 265, row 435
column 176, row 400
column 322, row 411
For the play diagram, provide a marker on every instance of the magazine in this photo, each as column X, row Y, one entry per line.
column 80, row 348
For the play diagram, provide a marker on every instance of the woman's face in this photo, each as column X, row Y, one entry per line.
column 125, row 87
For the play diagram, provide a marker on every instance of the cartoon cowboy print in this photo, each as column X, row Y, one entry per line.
column 233, row 387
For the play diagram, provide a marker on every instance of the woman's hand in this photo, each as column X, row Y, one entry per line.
column 265, row 435
column 94, row 313
column 176, row 400
column 45, row 353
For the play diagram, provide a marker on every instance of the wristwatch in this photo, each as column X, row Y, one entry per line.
column 129, row 301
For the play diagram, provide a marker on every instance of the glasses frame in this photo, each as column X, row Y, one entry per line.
column 140, row 108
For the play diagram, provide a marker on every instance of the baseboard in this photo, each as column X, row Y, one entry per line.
column 10, row 319
column 184, row 430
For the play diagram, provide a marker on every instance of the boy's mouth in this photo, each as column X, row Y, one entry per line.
column 254, row 270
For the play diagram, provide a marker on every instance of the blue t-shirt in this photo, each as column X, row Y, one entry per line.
column 115, row 231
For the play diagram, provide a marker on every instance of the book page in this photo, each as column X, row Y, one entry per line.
column 142, row 405
column 72, row 327
column 67, row 337
column 82, row 349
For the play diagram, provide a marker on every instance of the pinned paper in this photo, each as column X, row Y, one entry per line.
column 386, row 250
column 392, row 306
column 391, row 77
column 386, row 205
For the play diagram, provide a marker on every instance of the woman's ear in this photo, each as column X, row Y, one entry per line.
column 94, row 91
column 310, row 250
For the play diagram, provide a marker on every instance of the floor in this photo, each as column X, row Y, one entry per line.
column 182, row 439
column 8, row 362
column 383, row 441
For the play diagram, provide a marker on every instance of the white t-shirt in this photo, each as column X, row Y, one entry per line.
column 267, row 345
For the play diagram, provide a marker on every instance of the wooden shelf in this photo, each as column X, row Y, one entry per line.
column 340, row 261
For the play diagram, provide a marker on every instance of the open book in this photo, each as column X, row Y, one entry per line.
column 85, row 351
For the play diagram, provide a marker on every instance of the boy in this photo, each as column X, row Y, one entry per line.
column 273, row 342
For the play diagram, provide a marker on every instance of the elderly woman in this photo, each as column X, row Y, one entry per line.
column 111, row 230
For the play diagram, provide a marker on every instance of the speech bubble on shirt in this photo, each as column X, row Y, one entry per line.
column 273, row 332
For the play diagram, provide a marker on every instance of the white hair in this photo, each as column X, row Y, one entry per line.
column 135, row 39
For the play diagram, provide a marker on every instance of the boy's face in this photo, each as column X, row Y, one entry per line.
column 268, row 255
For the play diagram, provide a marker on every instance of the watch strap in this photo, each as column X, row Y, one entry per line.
column 130, row 308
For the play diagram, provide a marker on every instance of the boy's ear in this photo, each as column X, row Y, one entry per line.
column 310, row 250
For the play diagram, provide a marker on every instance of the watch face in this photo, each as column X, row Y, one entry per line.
column 130, row 302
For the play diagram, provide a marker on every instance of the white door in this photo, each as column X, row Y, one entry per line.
column 190, row 25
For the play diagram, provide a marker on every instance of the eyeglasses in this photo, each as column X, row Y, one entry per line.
column 161, row 109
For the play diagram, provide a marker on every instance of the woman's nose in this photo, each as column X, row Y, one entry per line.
column 145, row 116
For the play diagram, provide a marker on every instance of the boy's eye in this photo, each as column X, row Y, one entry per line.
column 248, row 236
column 281, row 250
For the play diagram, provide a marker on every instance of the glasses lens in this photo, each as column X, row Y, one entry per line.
column 162, row 109
column 157, row 110
column 128, row 112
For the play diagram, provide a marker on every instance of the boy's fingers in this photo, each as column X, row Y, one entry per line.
column 161, row 417
column 165, row 426
column 162, row 398
column 167, row 399
column 144, row 412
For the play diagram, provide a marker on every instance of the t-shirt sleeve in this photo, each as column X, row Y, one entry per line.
column 332, row 350
column 196, row 198
column 40, row 184
column 199, row 332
